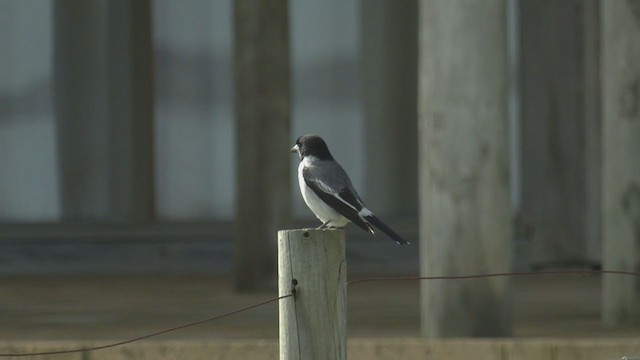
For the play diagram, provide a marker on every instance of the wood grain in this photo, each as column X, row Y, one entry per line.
column 313, row 324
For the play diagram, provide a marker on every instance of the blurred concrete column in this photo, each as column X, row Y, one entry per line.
column 131, row 111
column 559, row 87
column 621, row 159
column 465, row 219
column 390, row 84
column 262, row 106
column 103, row 105
column 81, row 108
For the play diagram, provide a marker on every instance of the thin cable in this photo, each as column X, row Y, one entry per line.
column 352, row 282
column 526, row 273
column 148, row 335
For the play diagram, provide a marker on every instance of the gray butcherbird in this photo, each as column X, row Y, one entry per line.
column 327, row 190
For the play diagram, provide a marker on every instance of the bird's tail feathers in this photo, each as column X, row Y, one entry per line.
column 385, row 229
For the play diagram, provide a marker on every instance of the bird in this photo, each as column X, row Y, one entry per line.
column 328, row 192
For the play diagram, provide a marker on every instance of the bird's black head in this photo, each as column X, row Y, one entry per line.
column 312, row 145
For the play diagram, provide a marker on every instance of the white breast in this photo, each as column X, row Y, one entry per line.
column 319, row 208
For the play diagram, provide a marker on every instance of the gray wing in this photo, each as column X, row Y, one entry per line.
column 332, row 184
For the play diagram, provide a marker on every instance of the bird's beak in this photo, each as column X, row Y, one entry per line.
column 294, row 148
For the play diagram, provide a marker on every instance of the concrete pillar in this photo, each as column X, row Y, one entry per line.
column 465, row 218
column 593, row 129
column 262, row 105
column 131, row 111
column 621, row 159
column 560, row 119
column 389, row 75
column 103, row 106
column 81, row 109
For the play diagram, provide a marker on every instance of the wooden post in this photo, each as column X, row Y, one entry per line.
column 313, row 324
column 262, row 108
column 465, row 218
column 621, row 159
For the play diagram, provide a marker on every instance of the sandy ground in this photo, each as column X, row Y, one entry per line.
column 121, row 307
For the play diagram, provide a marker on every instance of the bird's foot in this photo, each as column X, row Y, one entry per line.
column 323, row 226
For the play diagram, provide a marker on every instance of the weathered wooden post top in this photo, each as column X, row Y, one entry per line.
column 313, row 323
